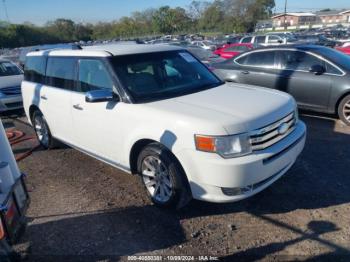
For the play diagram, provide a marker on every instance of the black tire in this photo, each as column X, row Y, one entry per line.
column 7, row 254
column 343, row 108
column 180, row 190
column 49, row 142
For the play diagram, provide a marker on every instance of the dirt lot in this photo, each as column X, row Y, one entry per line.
column 84, row 210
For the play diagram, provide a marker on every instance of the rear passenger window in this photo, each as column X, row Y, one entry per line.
column 259, row 59
column 241, row 48
column 273, row 39
column 34, row 69
column 246, row 40
column 260, row 39
column 61, row 72
column 93, row 75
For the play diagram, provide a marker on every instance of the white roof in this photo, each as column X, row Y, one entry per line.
column 295, row 14
column 344, row 12
column 107, row 50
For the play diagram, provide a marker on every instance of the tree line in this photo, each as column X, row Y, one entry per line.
column 224, row 16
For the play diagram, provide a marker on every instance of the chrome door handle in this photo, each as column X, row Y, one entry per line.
column 78, row 107
column 245, row 72
column 43, row 97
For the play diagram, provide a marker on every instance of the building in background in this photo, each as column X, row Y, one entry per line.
column 303, row 18
column 293, row 19
column 333, row 16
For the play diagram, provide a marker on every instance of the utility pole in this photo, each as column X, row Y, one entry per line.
column 285, row 15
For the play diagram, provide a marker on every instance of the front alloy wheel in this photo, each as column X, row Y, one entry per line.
column 156, row 178
column 163, row 177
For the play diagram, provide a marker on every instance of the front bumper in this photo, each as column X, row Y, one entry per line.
column 12, row 102
column 214, row 179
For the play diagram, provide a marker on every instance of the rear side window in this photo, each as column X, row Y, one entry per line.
column 34, row 69
column 258, row 59
column 273, row 39
column 61, row 72
column 260, row 39
column 246, row 40
column 93, row 75
column 241, row 48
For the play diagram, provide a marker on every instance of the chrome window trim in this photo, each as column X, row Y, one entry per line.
column 294, row 50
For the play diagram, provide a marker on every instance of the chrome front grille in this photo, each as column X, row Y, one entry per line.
column 14, row 90
column 271, row 134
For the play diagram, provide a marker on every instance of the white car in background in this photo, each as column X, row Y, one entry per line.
column 207, row 45
column 11, row 77
column 158, row 112
column 268, row 40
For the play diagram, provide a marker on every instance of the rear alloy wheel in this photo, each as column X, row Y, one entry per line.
column 344, row 110
column 42, row 130
column 163, row 177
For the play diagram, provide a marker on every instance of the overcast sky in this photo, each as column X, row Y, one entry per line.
column 41, row 11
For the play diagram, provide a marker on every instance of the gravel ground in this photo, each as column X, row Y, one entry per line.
column 84, row 210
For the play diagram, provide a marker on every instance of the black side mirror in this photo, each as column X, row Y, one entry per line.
column 317, row 69
column 280, row 41
column 102, row 95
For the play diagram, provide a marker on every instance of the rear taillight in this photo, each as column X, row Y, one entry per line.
column 11, row 212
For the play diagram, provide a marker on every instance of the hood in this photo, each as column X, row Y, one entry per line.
column 235, row 107
column 10, row 81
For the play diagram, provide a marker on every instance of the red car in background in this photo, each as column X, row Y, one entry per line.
column 345, row 50
column 232, row 50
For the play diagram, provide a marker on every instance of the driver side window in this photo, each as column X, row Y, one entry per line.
column 263, row 59
column 93, row 75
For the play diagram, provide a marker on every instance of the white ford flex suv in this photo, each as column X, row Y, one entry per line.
column 158, row 112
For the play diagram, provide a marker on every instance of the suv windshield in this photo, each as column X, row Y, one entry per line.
column 9, row 69
column 161, row 75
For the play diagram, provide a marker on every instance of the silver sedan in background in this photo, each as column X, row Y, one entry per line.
column 11, row 77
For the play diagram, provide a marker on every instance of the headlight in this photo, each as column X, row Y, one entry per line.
column 225, row 146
